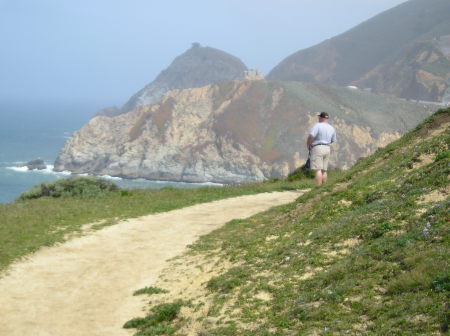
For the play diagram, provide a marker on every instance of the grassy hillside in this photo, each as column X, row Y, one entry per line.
column 365, row 255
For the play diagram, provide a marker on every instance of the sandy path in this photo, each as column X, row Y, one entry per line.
column 84, row 286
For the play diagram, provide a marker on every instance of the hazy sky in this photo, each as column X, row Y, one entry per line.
column 103, row 51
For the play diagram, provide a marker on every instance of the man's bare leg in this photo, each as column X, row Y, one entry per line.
column 324, row 177
column 319, row 177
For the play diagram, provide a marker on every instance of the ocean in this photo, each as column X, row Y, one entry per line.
column 39, row 130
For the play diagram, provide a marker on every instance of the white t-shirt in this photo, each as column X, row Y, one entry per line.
column 323, row 133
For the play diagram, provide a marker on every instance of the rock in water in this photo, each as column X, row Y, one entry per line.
column 36, row 164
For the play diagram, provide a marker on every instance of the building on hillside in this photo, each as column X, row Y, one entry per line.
column 253, row 74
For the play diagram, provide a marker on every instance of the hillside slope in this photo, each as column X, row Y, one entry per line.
column 368, row 255
column 235, row 132
column 385, row 47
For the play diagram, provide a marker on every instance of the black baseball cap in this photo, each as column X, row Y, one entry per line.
column 323, row 115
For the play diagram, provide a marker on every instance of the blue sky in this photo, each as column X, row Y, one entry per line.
column 103, row 51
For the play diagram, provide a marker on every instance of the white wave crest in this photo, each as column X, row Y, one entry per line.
column 47, row 170
column 23, row 169
column 108, row 177
column 210, row 184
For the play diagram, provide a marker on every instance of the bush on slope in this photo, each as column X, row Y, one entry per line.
column 85, row 187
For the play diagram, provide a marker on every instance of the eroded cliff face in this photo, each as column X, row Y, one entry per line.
column 421, row 71
column 234, row 132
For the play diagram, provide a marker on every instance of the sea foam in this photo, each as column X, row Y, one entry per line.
column 23, row 169
column 134, row 182
column 108, row 177
column 47, row 170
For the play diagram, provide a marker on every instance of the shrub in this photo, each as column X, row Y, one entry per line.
column 442, row 282
column 150, row 290
column 158, row 322
column 300, row 174
column 225, row 283
column 443, row 155
column 84, row 187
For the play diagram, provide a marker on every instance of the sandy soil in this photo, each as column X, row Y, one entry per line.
column 84, row 286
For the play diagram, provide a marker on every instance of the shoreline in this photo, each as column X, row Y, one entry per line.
column 19, row 178
column 49, row 170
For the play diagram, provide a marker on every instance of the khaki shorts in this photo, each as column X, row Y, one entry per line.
column 320, row 156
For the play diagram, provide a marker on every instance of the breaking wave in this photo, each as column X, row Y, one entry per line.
column 143, row 183
column 47, row 170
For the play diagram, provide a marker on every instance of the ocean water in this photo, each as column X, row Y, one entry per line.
column 39, row 130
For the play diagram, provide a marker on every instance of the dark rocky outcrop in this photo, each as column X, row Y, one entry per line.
column 36, row 164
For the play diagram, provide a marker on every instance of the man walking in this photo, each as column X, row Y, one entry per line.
column 319, row 139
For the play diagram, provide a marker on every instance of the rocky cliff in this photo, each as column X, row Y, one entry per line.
column 424, row 69
column 197, row 67
column 234, row 132
column 403, row 51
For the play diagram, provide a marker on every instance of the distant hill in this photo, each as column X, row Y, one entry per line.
column 234, row 132
column 197, row 67
column 404, row 51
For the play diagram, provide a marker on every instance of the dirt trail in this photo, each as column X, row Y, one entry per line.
column 84, row 286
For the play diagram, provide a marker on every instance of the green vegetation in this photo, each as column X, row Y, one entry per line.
column 39, row 219
column 367, row 254
column 150, row 291
column 158, row 322
column 301, row 173
column 83, row 187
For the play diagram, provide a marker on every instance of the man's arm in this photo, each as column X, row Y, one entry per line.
column 309, row 141
column 333, row 138
column 311, row 136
